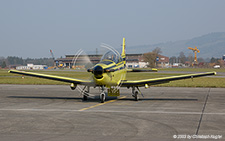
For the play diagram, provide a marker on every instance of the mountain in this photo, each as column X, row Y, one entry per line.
column 210, row 45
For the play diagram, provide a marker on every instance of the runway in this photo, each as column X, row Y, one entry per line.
column 55, row 112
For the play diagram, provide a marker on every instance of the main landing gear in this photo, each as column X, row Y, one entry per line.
column 85, row 93
column 135, row 93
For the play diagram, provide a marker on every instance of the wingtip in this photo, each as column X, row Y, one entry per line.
column 156, row 70
column 11, row 71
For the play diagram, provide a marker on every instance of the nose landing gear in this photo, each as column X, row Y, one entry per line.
column 102, row 95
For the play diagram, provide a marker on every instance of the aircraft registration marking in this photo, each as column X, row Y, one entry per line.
column 101, row 104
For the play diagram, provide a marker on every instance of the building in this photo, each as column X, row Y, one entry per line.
column 86, row 61
column 162, row 61
column 73, row 61
column 32, row 67
column 136, row 61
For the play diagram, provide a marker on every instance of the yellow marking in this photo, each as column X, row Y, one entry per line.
column 101, row 104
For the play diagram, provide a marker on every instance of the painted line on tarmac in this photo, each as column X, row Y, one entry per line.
column 101, row 104
column 110, row 111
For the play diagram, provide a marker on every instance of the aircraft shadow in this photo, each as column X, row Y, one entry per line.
column 90, row 99
column 40, row 97
column 96, row 98
column 160, row 99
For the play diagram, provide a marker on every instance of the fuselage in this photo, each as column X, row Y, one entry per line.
column 108, row 73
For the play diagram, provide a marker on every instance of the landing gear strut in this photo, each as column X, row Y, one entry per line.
column 85, row 93
column 135, row 94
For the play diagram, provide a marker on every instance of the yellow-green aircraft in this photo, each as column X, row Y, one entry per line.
column 110, row 74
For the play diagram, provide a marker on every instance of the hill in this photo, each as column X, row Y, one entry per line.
column 210, row 45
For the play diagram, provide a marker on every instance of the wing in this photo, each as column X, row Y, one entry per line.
column 53, row 77
column 154, row 81
column 142, row 70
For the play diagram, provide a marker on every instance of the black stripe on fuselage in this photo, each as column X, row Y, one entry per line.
column 123, row 67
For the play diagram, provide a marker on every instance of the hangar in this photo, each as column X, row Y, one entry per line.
column 133, row 61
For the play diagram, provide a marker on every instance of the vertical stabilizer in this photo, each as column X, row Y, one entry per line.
column 123, row 54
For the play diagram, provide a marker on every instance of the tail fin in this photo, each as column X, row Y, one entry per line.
column 123, row 54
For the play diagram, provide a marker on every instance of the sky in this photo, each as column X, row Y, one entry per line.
column 30, row 28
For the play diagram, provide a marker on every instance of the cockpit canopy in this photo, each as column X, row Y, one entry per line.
column 111, row 55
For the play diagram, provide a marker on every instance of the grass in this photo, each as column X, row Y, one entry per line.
column 197, row 82
column 6, row 78
column 193, row 69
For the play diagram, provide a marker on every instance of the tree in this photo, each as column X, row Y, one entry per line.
column 173, row 59
column 150, row 57
column 12, row 60
column 190, row 58
column 221, row 63
column 157, row 50
column 182, row 57
column 3, row 64
column 201, row 59
column 214, row 60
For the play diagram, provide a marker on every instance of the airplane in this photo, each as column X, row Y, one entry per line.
column 110, row 74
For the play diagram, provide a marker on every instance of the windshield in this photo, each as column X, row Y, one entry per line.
column 111, row 56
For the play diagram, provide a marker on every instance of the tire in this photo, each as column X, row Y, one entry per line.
column 136, row 95
column 85, row 98
column 102, row 97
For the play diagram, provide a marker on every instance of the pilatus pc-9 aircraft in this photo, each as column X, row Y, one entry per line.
column 110, row 74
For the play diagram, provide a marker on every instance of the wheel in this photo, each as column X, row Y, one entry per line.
column 102, row 97
column 85, row 98
column 136, row 95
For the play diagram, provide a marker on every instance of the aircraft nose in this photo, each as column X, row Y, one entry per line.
column 98, row 71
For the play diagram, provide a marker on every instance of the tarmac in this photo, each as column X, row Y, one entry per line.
column 55, row 112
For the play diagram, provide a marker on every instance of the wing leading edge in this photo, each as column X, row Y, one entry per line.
column 53, row 77
column 142, row 70
column 154, row 81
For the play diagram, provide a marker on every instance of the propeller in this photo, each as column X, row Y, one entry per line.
column 82, row 62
